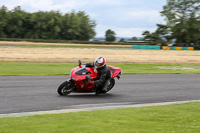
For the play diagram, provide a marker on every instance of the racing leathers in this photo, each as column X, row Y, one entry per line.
column 101, row 83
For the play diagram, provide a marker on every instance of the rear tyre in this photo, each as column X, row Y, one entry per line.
column 66, row 88
column 111, row 84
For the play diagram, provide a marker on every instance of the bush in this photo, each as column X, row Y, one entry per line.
column 70, row 41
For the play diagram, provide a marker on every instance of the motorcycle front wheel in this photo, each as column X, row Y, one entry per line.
column 66, row 88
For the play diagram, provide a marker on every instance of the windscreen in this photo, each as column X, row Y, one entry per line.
column 82, row 71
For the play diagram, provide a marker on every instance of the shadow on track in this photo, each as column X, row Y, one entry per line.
column 89, row 95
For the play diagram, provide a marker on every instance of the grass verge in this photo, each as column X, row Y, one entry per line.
column 163, row 119
column 21, row 69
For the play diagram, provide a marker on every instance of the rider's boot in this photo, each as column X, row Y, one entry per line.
column 97, row 92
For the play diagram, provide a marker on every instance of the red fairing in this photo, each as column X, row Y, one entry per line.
column 81, row 77
column 78, row 79
column 115, row 71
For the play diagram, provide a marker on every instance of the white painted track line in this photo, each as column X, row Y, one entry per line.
column 107, row 107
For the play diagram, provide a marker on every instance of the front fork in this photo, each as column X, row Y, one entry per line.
column 75, row 85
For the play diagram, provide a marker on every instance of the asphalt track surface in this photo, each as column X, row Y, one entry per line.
column 39, row 93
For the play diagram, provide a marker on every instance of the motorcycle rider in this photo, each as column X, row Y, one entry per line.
column 103, row 70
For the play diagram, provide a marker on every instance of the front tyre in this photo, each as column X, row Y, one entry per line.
column 66, row 88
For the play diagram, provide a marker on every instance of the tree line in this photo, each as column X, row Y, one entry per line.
column 182, row 19
column 182, row 23
column 17, row 23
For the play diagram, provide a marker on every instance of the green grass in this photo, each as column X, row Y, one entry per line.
column 20, row 69
column 141, row 68
column 180, row 118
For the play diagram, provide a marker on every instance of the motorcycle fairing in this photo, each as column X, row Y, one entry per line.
column 82, row 71
column 79, row 76
column 115, row 71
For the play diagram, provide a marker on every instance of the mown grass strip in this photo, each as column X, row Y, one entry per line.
column 22, row 69
column 163, row 119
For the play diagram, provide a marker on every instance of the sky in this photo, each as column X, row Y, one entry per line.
column 127, row 18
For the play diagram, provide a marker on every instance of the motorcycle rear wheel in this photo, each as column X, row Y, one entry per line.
column 109, row 87
column 111, row 84
column 66, row 88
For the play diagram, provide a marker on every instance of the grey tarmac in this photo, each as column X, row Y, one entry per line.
column 39, row 93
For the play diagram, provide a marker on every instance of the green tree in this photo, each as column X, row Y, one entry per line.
column 110, row 35
column 74, row 28
column 183, row 20
column 3, row 22
column 134, row 38
column 160, row 36
column 16, row 23
column 122, row 40
column 45, row 25
column 86, row 26
column 77, row 26
column 151, row 38
column 54, row 25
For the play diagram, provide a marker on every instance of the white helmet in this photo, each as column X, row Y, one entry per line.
column 99, row 62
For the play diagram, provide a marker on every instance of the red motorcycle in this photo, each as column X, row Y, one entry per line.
column 79, row 77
